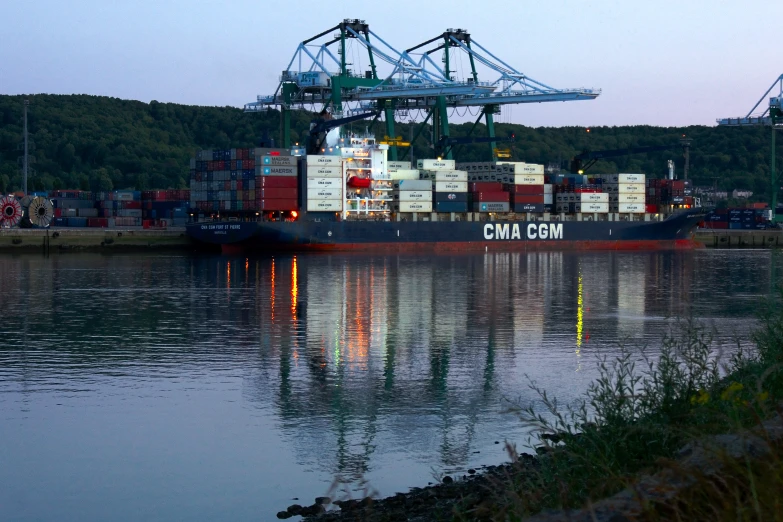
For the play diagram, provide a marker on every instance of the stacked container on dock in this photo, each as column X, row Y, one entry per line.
column 119, row 208
column 72, row 208
column 737, row 219
column 324, row 184
column 162, row 208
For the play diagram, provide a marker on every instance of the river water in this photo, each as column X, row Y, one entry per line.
column 174, row 387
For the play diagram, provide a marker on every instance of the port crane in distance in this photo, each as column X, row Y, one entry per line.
column 772, row 117
column 445, row 144
column 582, row 162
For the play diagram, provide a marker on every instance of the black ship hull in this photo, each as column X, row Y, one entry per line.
column 676, row 232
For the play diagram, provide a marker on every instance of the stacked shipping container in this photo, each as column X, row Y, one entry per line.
column 325, row 187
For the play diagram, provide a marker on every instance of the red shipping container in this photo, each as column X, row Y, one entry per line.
column 491, row 197
column 277, row 182
column 527, row 198
column 277, row 193
column 278, row 204
column 131, row 205
column 535, row 190
column 651, row 209
column 485, row 186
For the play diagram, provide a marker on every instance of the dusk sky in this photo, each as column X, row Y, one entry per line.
column 662, row 62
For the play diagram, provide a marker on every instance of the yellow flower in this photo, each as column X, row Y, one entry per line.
column 762, row 397
column 700, row 398
column 730, row 391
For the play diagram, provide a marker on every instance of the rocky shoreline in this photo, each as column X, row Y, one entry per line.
column 469, row 495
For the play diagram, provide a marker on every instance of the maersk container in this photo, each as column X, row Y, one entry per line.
column 412, row 195
column 451, row 186
column 491, row 207
column 451, row 206
column 435, row 164
column 324, row 172
column 324, row 205
column 325, row 194
column 412, row 184
column 279, row 171
column 412, row 206
column 526, row 179
column 318, row 183
column 324, row 161
column 282, row 161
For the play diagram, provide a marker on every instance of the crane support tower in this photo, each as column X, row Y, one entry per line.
column 319, row 75
column 772, row 116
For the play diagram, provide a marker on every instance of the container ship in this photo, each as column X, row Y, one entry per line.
column 350, row 197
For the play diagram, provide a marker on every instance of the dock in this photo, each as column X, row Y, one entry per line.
column 740, row 238
column 55, row 240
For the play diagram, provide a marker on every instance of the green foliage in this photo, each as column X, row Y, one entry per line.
column 131, row 144
column 632, row 420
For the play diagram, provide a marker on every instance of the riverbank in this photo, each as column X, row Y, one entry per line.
column 691, row 436
column 54, row 240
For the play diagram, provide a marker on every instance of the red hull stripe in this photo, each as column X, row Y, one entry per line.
column 480, row 246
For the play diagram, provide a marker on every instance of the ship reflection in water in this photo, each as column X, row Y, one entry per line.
column 272, row 377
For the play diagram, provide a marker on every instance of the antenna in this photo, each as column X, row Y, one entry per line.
column 26, row 160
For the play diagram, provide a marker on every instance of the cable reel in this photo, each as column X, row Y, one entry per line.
column 10, row 212
column 40, row 212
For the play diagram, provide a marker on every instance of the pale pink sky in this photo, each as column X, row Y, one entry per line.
column 662, row 63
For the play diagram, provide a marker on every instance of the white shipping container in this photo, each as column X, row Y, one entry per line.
column 413, row 195
column 413, row 184
column 398, row 165
column 528, row 179
column 318, row 183
column 592, row 197
column 628, row 198
column 314, row 171
column 625, row 188
column 548, row 188
column 548, row 199
column 451, row 175
column 324, row 161
column 519, row 167
column 435, row 164
column 629, row 208
column 451, row 186
column 403, row 174
column 327, row 205
column 325, row 193
column 625, row 178
column 586, row 208
column 413, row 206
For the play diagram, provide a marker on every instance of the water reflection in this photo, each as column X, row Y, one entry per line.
column 356, row 366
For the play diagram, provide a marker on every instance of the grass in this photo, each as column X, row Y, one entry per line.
column 637, row 417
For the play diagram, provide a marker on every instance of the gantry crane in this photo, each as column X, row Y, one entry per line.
column 773, row 117
column 316, row 77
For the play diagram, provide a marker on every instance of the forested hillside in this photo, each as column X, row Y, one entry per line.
column 100, row 143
